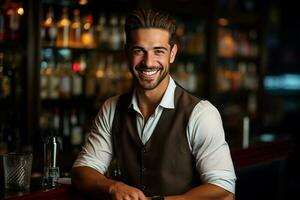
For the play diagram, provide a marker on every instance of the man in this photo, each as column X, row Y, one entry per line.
column 166, row 143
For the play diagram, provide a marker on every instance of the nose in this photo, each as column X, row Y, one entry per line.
column 148, row 59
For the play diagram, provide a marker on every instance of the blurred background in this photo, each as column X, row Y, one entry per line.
column 60, row 59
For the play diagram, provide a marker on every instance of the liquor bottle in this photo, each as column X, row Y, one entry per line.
column 122, row 31
column 54, row 81
column 102, row 32
column 114, row 36
column 77, row 79
column 65, row 79
column 90, row 82
column 44, row 80
column 63, row 25
column 76, row 138
column 49, row 28
column 87, row 38
column 192, row 81
column 75, row 37
column 14, row 20
column 181, row 75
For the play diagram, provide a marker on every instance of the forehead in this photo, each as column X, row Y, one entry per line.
column 149, row 35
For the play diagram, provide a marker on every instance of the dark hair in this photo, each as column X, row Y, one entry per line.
column 148, row 18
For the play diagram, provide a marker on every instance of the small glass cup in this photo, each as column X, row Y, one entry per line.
column 17, row 171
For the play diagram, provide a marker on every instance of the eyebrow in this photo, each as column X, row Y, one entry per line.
column 155, row 48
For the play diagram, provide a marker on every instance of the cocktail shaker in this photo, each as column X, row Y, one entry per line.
column 51, row 168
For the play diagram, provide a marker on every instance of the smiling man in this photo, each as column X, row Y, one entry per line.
column 166, row 143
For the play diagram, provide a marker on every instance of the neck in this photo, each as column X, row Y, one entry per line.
column 148, row 100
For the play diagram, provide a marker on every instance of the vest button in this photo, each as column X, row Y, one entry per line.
column 144, row 169
column 144, row 150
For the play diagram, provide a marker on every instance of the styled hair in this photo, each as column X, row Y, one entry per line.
column 148, row 18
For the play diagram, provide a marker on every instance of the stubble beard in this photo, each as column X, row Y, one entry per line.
column 149, row 85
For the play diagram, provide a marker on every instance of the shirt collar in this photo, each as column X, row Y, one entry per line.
column 167, row 100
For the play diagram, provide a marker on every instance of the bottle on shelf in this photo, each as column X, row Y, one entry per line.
column 227, row 46
column 76, row 30
column 77, row 76
column 63, row 25
column 49, row 30
column 90, row 81
column 12, row 22
column 44, row 80
column 192, row 81
column 54, row 81
column 65, row 79
column 102, row 32
column 76, row 135
column 87, row 37
column 115, row 34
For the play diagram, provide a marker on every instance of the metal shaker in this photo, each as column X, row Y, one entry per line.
column 51, row 169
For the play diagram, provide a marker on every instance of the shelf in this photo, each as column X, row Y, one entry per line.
column 82, row 49
column 18, row 45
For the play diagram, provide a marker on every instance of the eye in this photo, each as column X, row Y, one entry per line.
column 137, row 51
column 159, row 52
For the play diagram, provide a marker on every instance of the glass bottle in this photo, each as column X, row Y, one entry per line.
column 87, row 38
column 102, row 32
column 63, row 25
column 49, row 28
column 75, row 37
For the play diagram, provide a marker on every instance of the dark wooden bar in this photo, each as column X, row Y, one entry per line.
column 257, row 155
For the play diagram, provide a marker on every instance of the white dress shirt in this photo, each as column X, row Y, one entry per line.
column 205, row 135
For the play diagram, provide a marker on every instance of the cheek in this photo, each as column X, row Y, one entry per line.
column 136, row 60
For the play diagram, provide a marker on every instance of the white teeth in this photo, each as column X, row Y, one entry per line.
column 149, row 73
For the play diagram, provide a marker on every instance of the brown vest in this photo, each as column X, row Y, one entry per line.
column 165, row 164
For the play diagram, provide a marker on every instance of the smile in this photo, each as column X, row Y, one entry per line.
column 148, row 73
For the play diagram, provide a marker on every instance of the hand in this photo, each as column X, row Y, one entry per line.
column 121, row 191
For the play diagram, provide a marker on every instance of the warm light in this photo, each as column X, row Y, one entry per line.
column 87, row 26
column 83, row 2
column 223, row 21
column 48, row 22
column 20, row 11
column 76, row 67
column 99, row 73
column 65, row 22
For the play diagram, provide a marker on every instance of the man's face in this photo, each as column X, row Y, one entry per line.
column 150, row 55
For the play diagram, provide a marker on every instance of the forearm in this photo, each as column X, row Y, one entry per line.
column 90, row 181
column 204, row 192
column 95, row 184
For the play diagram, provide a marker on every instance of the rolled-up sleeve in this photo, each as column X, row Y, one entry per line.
column 98, row 150
column 207, row 142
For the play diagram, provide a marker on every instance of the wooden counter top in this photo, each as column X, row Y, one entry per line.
column 254, row 155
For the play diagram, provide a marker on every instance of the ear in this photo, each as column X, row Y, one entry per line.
column 173, row 53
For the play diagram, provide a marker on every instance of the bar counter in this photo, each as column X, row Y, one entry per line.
column 258, row 154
